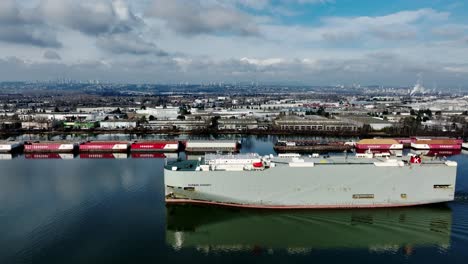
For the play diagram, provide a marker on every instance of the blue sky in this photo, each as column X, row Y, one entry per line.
column 353, row 8
column 317, row 42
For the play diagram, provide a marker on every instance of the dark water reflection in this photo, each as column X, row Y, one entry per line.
column 112, row 211
column 378, row 230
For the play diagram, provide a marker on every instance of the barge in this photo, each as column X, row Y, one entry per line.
column 105, row 146
column 438, row 152
column 201, row 146
column 455, row 140
column 379, row 144
column 406, row 142
column 156, row 146
column 50, row 146
column 309, row 146
column 437, row 144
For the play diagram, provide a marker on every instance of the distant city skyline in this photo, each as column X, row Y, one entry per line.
column 315, row 42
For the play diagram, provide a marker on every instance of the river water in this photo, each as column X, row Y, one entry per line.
column 113, row 211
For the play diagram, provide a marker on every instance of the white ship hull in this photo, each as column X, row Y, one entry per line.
column 321, row 186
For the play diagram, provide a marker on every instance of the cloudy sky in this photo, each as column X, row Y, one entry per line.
column 318, row 42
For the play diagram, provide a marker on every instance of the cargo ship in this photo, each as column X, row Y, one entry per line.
column 212, row 230
column 294, row 182
column 50, row 146
column 148, row 146
column 10, row 146
column 104, row 146
column 437, row 144
column 378, row 144
column 200, row 146
column 310, row 146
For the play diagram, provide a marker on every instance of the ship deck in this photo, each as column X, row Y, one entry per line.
column 191, row 165
column 183, row 165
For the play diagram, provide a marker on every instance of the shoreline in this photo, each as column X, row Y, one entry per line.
column 14, row 133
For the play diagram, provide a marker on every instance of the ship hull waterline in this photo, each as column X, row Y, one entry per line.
column 179, row 201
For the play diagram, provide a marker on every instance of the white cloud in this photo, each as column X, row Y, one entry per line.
column 195, row 17
column 255, row 4
column 203, row 40
column 89, row 17
column 358, row 31
column 262, row 62
column 457, row 69
column 392, row 26
column 398, row 18
column 21, row 27
column 128, row 44
column 368, row 69
column 450, row 30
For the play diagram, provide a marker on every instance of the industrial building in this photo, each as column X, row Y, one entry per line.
column 315, row 124
column 237, row 124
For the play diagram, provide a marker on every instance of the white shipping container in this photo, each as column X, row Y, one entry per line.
column 5, row 147
column 211, row 144
column 8, row 146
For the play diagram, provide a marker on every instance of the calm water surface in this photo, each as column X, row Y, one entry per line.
column 112, row 211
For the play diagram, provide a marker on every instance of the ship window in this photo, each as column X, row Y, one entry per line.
column 403, row 195
column 442, row 186
column 363, row 196
column 191, row 189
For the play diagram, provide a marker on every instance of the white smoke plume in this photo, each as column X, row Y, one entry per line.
column 418, row 88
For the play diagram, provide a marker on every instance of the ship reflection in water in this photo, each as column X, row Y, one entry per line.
column 380, row 230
